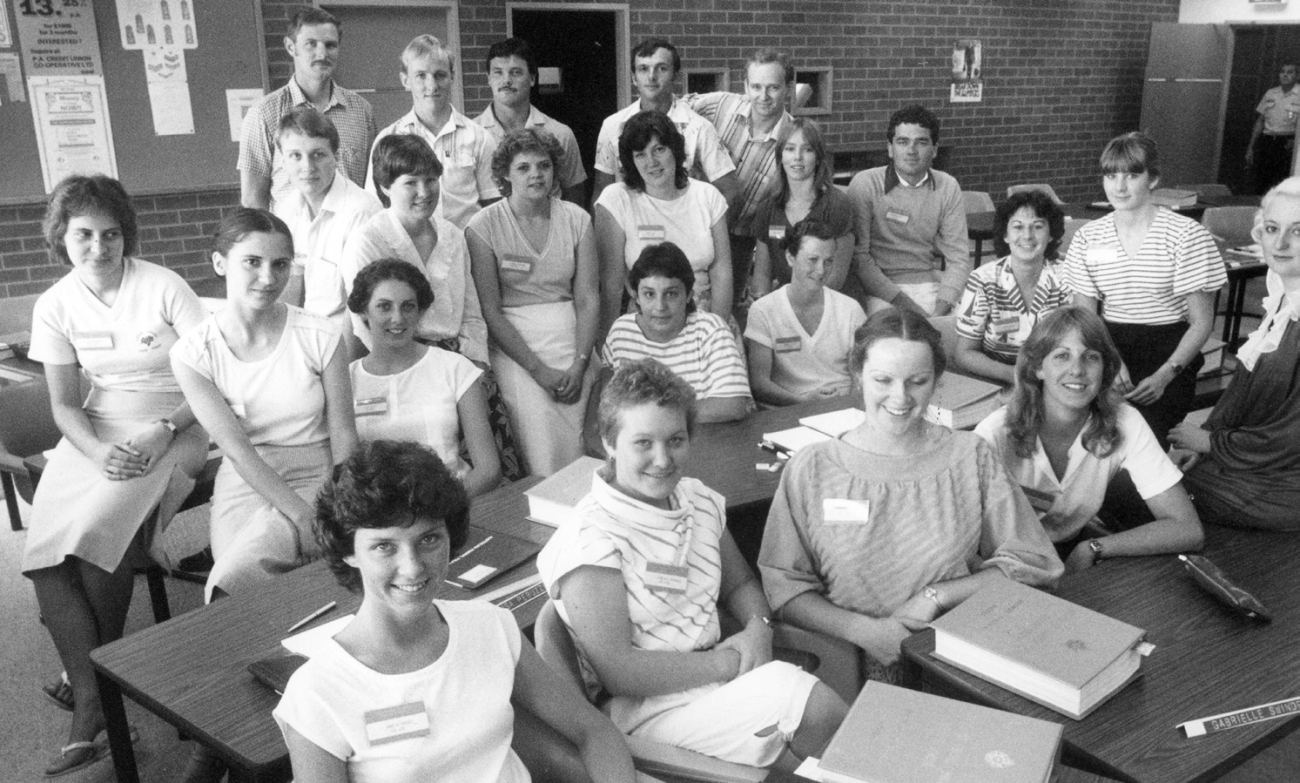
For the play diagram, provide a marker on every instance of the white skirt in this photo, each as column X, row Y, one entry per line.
column 251, row 540
column 549, row 432
column 79, row 512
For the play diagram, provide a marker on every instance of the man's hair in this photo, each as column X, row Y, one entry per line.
column 649, row 46
column 426, row 46
column 768, row 55
column 311, row 16
column 792, row 242
column 306, row 121
column 914, row 115
column 511, row 47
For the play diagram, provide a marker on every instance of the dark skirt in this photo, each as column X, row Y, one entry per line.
column 1144, row 348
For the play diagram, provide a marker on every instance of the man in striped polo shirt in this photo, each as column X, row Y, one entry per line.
column 313, row 41
column 911, row 249
column 750, row 127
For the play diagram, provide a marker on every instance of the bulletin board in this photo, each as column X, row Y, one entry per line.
column 228, row 55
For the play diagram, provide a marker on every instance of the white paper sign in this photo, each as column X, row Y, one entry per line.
column 169, row 90
column 73, row 132
column 6, row 35
column 238, row 102
column 143, row 23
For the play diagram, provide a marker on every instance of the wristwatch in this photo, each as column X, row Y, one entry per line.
column 1094, row 544
column 1176, row 367
column 172, row 428
column 933, row 595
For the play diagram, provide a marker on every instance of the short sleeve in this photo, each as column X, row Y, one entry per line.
column 185, row 310
column 571, row 171
column 583, row 542
column 716, row 202
column 607, row 147
column 785, row 561
column 1078, row 278
column 308, row 712
column 487, row 186
column 711, row 156
column 463, row 373
column 49, row 343
column 759, row 327
column 1011, row 537
column 255, row 153
column 1197, row 263
column 358, row 252
column 191, row 351
column 617, row 200
column 1148, row 465
column 973, row 312
column 607, row 356
column 726, row 370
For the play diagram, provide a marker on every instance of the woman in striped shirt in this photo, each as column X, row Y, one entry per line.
column 1152, row 275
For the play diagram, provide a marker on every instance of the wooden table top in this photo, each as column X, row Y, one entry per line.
column 192, row 670
column 1207, row 661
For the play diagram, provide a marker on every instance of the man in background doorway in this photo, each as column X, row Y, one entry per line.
column 312, row 40
column 1272, row 141
column 655, row 65
column 463, row 147
column 512, row 72
column 912, row 246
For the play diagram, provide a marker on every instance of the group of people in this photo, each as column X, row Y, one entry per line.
column 414, row 323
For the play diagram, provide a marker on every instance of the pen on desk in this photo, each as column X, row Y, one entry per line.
column 469, row 551
column 321, row 612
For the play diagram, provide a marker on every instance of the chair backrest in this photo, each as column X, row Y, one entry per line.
column 977, row 201
column 26, row 425
column 555, row 645
column 1209, row 192
column 1071, row 228
column 1038, row 186
column 947, row 326
column 1230, row 225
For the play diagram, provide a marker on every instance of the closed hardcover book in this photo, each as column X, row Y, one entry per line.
column 1049, row 650
column 551, row 501
column 895, row 735
column 486, row 555
column 959, row 402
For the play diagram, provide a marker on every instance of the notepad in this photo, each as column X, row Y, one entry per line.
column 313, row 640
column 795, row 438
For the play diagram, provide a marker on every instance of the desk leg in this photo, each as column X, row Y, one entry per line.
column 1238, row 308
column 119, row 732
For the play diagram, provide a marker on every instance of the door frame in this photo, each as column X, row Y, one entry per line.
column 622, row 33
column 451, row 8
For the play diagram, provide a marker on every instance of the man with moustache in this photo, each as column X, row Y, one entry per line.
column 1272, row 140
column 512, row 72
column 655, row 65
column 313, row 41
column 912, row 244
column 463, row 147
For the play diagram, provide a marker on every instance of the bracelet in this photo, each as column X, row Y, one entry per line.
column 766, row 619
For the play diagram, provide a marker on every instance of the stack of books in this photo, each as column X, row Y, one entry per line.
column 959, row 402
column 895, row 735
column 1173, row 198
column 1049, row 650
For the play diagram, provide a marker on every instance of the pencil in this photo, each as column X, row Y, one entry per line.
column 318, row 613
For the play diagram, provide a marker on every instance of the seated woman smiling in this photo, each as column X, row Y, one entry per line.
column 638, row 577
column 873, row 535
column 388, row 520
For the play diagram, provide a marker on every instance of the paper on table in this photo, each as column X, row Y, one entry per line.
column 835, row 423
column 310, row 641
column 795, row 438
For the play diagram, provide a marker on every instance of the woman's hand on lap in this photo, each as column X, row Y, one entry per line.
column 151, row 442
column 754, row 644
column 120, row 461
column 548, row 378
column 570, row 389
column 1151, row 388
column 1190, row 437
column 1123, row 383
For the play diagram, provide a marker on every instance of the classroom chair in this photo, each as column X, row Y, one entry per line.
column 976, row 201
column 1231, row 227
column 1209, row 193
column 27, row 428
column 1043, row 187
column 1071, row 228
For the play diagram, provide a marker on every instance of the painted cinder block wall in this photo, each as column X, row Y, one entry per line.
column 1061, row 77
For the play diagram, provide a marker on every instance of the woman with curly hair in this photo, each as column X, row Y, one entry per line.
column 534, row 263
column 1067, row 434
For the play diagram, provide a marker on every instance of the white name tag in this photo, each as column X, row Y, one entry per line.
column 372, row 406
column 1104, row 254
column 839, row 511
column 787, row 344
column 515, row 263
column 477, row 575
column 897, row 217
column 651, row 233
column 92, row 341
column 665, row 578
column 394, row 724
column 1005, row 326
column 776, row 232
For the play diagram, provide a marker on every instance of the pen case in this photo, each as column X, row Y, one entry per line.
column 1212, row 580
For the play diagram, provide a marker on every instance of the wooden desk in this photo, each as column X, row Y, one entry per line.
column 192, row 671
column 1207, row 661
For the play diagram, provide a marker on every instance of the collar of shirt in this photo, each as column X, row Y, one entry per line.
column 412, row 123
column 488, row 119
column 300, row 97
column 892, row 180
column 1280, row 308
column 746, row 115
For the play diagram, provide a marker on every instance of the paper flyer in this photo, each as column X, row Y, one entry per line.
column 169, row 90
column 967, row 72
column 58, row 42
column 72, row 127
column 145, row 23
column 6, row 35
column 12, row 73
column 238, row 102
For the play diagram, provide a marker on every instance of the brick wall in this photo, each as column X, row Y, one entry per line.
column 1060, row 77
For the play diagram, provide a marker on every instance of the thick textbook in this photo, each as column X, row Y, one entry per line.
column 959, row 402
column 895, row 735
column 551, row 501
column 1049, row 650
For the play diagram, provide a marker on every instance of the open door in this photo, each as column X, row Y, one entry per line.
column 1185, row 96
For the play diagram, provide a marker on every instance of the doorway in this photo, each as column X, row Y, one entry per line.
column 1259, row 52
column 588, row 46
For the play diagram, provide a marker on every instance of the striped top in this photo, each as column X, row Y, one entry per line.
column 1178, row 257
column 753, row 156
column 993, row 309
column 612, row 530
column 704, row 353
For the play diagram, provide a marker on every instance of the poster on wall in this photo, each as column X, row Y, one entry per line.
column 12, row 74
column 967, row 72
column 145, row 23
column 238, row 103
column 169, row 90
column 6, row 35
column 58, row 37
column 72, row 127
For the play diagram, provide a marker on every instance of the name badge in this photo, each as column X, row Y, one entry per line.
column 651, row 233
column 897, row 217
column 1005, row 326
column 372, row 406
column 664, row 578
column 1104, row 254
column 787, row 344
column 92, row 341
column 516, row 263
column 776, row 232
column 840, row 511
column 394, row 724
